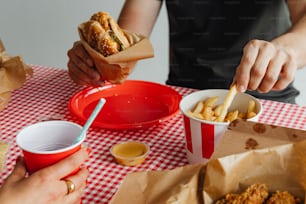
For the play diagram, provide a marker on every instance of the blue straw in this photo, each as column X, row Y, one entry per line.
column 90, row 120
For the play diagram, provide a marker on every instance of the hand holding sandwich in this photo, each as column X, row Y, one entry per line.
column 105, row 52
column 81, row 67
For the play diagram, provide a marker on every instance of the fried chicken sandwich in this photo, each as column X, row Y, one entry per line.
column 104, row 35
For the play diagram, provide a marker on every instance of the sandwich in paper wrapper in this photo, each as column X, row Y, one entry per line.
column 249, row 153
column 13, row 72
column 114, row 51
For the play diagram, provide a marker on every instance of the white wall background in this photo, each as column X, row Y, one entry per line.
column 42, row 31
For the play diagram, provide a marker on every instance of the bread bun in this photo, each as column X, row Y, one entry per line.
column 103, row 34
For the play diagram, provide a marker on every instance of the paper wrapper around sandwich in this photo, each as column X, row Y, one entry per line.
column 13, row 72
column 117, row 67
column 276, row 157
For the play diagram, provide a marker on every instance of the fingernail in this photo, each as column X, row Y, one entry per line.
column 241, row 88
column 95, row 77
column 99, row 83
column 260, row 91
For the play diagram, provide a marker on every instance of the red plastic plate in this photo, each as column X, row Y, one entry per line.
column 131, row 105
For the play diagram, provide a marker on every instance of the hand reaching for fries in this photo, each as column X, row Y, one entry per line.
column 209, row 110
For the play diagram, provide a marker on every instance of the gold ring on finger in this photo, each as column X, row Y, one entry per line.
column 70, row 186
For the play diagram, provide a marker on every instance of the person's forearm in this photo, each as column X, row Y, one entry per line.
column 139, row 16
column 295, row 40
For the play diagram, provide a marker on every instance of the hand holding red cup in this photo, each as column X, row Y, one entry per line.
column 46, row 143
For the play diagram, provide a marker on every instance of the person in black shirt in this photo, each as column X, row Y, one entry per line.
column 257, row 44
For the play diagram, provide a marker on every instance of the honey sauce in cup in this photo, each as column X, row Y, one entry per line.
column 130, row 153
column 202, row 135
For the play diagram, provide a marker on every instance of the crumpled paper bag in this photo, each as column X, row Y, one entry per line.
column 181, row 185
column 117, row 67
column 13, row 72
column 242, row 136
column 278, row 159
column 3, row 150
column 281, row 167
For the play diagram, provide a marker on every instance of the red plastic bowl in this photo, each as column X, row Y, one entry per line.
column 131, row 105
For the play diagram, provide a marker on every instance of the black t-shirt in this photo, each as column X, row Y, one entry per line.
column 207, row 38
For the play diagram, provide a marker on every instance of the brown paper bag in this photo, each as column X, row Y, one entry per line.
column 243, row 136
column 278, row 160
column 3, row 150
column 251, row 152
column 13, row 72
column 117, row 67
column 4, row 99
column 281, row 168
column 181, row 185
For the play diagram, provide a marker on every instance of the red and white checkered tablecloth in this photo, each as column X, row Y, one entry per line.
column 46, row 95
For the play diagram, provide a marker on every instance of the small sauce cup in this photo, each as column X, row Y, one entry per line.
column 130, row 153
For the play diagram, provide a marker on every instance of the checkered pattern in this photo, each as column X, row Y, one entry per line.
column 46, row 96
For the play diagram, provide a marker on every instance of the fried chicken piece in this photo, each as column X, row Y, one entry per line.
column 228, row 198
column 283, row 197
column 254, row 194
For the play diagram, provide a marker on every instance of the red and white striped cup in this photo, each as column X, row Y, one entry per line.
column 202, row 136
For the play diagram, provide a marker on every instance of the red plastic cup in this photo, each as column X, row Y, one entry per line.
column 46, row 143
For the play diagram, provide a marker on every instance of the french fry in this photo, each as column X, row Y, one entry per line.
column 208, row 113
column 195, row 115
column 231, row 116
column 209, row 110
column 227, row 102
column 218, row 109
column 199, row 107
column 242, row 115
column 251, row 109
column 211, row 101
column 251, row 114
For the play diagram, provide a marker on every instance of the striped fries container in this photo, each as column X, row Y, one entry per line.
column 203, row 136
